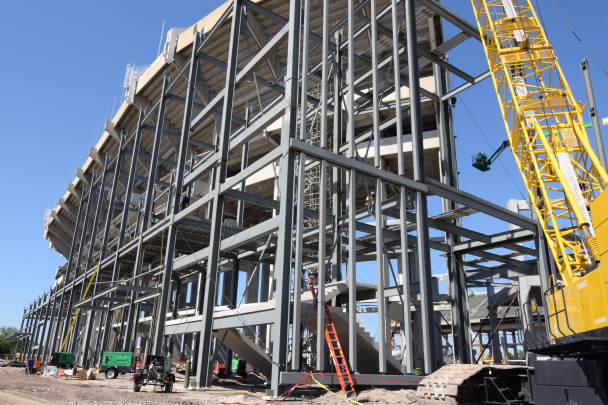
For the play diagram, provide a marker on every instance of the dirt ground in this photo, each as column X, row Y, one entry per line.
column 17, row 388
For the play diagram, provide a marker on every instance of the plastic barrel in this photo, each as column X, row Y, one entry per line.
column 30, row 363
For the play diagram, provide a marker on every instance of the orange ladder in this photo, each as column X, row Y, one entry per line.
column 335, row 349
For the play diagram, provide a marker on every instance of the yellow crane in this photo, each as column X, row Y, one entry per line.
column 566, row 185
column 563, row 175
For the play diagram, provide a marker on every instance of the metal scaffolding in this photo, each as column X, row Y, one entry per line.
column 195, row 205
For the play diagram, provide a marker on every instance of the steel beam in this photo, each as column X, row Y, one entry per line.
column 452, row 17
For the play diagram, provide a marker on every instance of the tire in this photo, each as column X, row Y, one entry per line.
column 136, row 386
column 111, row 373
column 168, row 387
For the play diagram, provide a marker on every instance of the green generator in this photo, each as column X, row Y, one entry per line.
column 62, row 360
column 114, row 363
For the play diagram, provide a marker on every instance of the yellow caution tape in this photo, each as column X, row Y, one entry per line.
column 331, row 392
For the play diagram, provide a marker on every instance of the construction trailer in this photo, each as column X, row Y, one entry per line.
column 242, row 161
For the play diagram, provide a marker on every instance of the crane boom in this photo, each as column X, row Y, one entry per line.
column 563, row 175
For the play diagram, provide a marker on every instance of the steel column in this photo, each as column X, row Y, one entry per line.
column 203, row 376
column 28, row 322
column 19, row 344
column 34, row 328
column 45, row 317
column 407, row 348
column 102, row 343
column 282, row 268
column 351, row 273
column 83, row 234
column 174, row 202
column 90, row 321
column 321, row 270
column 124, row 223
column 377, row 205
column 457, row 292
column 65, row 282
column 424, row 257
column 154, row 157
column 296, row 337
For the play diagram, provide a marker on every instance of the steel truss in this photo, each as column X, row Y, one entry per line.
column 225, row 123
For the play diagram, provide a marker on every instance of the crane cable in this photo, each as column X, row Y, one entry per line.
column 576, row 36
column 491, row 146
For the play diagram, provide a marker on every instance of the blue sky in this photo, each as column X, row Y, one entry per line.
column 62, row 74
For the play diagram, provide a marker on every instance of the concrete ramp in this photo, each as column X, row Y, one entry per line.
column 246, row 348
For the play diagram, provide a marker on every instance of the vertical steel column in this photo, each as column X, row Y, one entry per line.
column 31, row 325
column 595, row 121
column 41, row 323
column 90, row 320
column 380, row 259
column 296, row 330
column 19, row 344
column 493, row 317
column 424, row 256
column 55, row 323
column 196, row 336
column 459, row 309
column 466, row 351
column 203, row 376
column 458, row 294
column 67, row 276
column 240, row 212
column 45, row 318
column 133, row 314
column 351, row 273
column 124, row 223
column 174, row 201
column 322, row 196
column 28, row 323
column 102, row 343
column 34, row 327
column 240, row 209
column 81, row 244
column 52, row 325
column 85, row 228
column 406, row 339
column 38, row 324
column 154, row 158
column 34, row 315
column 337, row 200
column 44, row 310
column 282, row 269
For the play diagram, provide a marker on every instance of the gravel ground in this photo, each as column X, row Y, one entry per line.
column 16, row 388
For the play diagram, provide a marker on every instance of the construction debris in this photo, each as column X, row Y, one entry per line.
column 92, row 374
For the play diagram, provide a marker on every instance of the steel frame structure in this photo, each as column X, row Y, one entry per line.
column 226, row 125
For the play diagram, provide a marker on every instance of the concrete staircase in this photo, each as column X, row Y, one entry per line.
column 366, row 343
column 256, row 356
column 246, row 348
